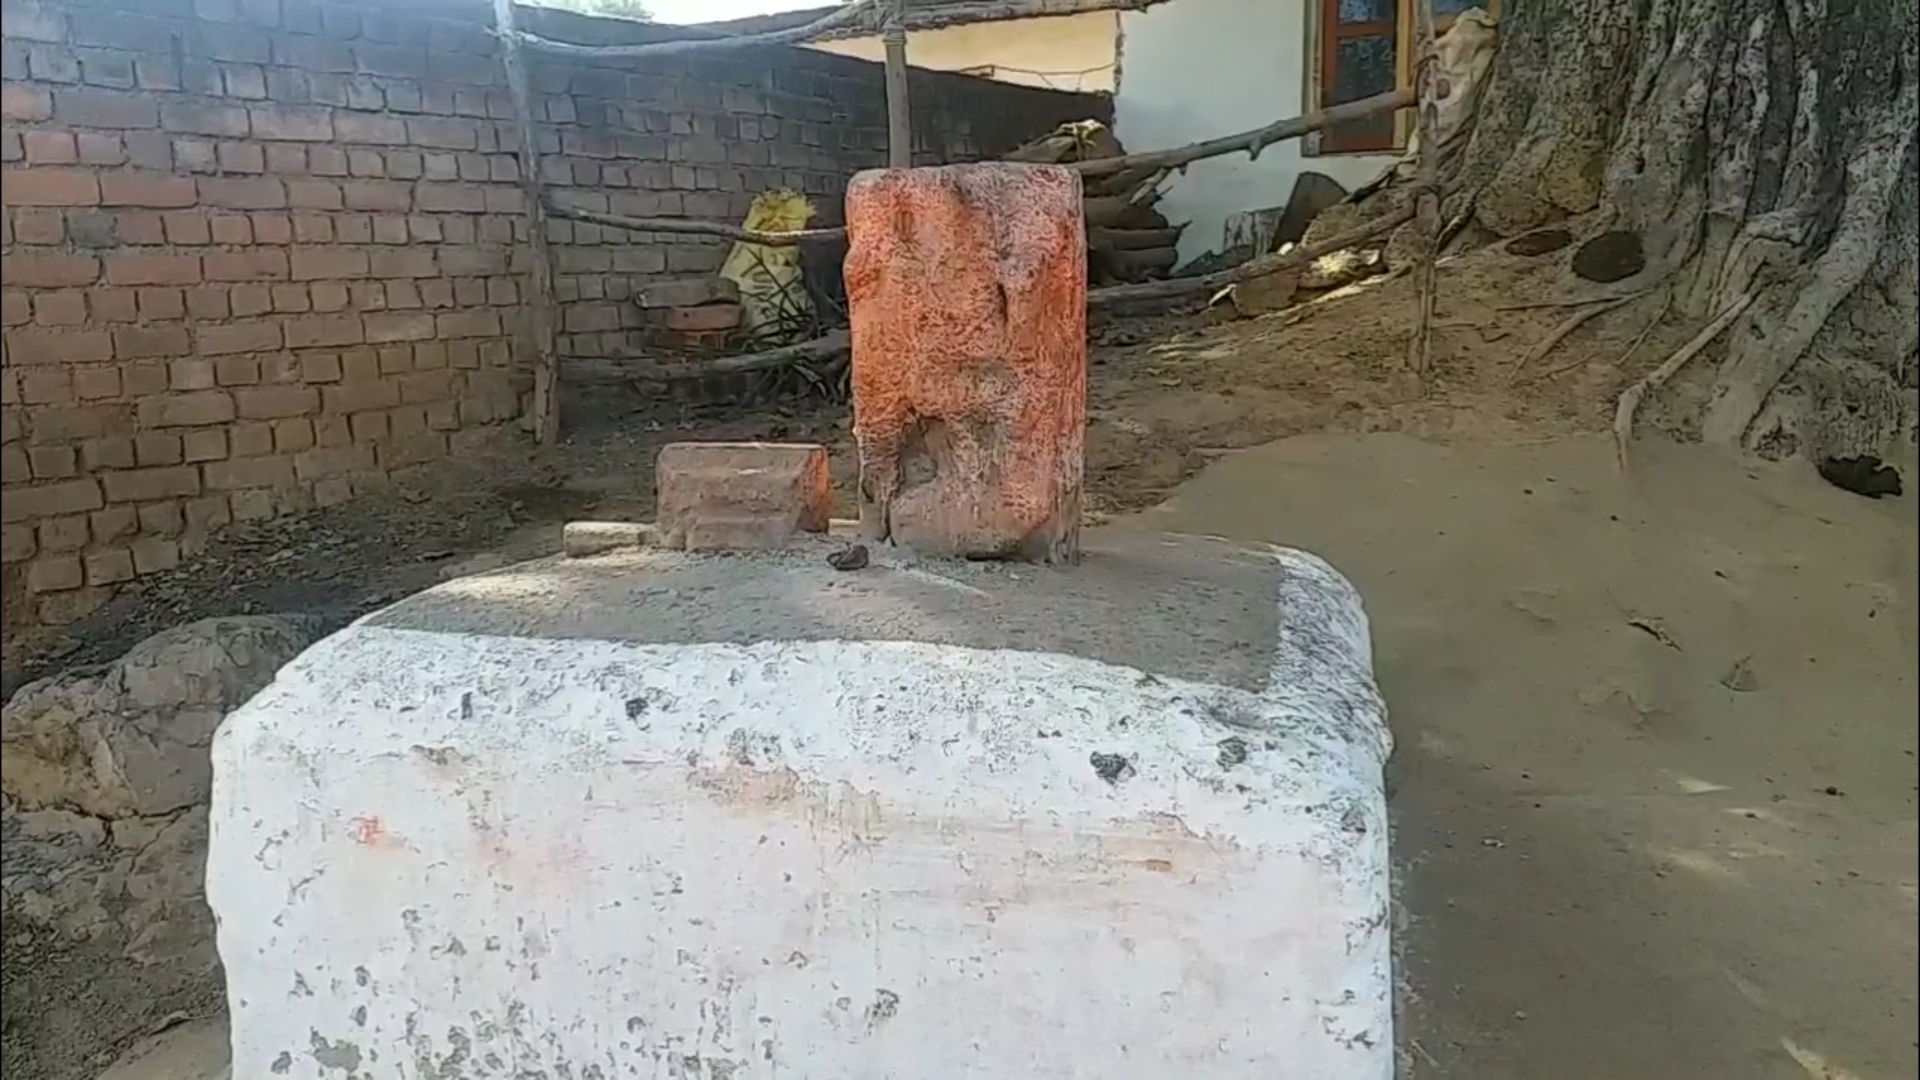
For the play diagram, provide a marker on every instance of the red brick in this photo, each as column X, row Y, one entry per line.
column 96, row 383
column 52, row 462
column 64, row 533
column 125, row 268
column 328, row 263
column 389, row 195
column 250, row 472
column 50, row 148
column 49, row 271
column 115, row 523
column 39, row 227
column 51, row 500
column 192, row 373
column 318, row 330
column 17, row 544
column 241, row 157
column 187, row 228
column 154, row 554
column 109, row 567
column 97, row 148
column 243, row 192
column 450, row 198
column 146, row 189
column 314, row 195
column 15, row 308
column 155, row 448
column 25, row 103
column 203, row 444
column 105, row 109
column 740, row 495
column 160, row 304
column 50, row 187
column 292, row 123
column 271, row 228
column 139, row 228
column 460, row 324
column 246, row 337
column 247, row 266
column 399, row 326
column 197, row 409
column 411, row 262
column 114, row 305
column 58, row 346
column 234, row 230
column 276, row 402
column 201, row 116
column 243, row 369
column 56, row 573
column 370, row 130
column 140, row 343
column 61, row 308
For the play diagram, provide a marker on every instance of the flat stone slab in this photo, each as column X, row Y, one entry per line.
column 666, row 814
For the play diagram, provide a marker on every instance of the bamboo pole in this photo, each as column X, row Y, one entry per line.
column 1291, row 128
column 544, row 306
column 899, row 119
column 1426, row 194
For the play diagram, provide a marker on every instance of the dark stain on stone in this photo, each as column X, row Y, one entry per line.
column 1233, row 751
column 1611, row 256
column 1112, row 768
column 282, row 1065
column 886, row 1006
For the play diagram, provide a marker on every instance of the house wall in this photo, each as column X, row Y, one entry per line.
column 1199, row 69
column 1069, row 52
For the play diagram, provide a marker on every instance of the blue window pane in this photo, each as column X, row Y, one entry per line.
column 1366, row 11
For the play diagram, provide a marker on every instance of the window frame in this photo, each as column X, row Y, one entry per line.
column 1329, row 31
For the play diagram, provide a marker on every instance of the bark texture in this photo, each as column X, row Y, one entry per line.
column 1763, row 144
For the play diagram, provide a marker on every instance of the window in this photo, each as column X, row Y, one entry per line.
column 1365, row 49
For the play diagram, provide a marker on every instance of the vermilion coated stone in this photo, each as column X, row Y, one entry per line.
column 967, row 289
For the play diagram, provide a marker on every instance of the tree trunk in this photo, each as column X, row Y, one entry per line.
column 1764, row 144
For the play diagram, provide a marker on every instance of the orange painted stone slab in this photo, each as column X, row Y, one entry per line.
column 967, row 291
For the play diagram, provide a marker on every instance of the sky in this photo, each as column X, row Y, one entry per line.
column 697, row 11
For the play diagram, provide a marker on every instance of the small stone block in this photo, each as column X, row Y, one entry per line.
column 687, row 292
column 741, row 496
column 967, row 292
column 583, row 539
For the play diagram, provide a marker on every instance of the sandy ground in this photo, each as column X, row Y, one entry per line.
column 1656, row 778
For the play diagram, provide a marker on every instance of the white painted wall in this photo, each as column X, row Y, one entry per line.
column 447, row 854
column 1199, row 69
column 1067, row 52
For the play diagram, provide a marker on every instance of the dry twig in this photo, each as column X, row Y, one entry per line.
column 1569, row 325
column 1630, row 398
column 1620, row 364
column 1248, row 142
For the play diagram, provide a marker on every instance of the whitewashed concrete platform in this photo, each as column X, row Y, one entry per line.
column 746, row 817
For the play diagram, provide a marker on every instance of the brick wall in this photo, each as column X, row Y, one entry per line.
column 700, row 134
column 261, row 253
column 258, row 253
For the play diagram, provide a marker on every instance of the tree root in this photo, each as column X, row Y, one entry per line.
column 1619, row 364
column 1567, row 326
column 1630, row 399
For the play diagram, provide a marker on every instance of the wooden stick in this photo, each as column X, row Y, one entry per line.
column 1252, row 268
column 1567, row 326
column 842, row 17
column 1248, row 142
column 1630, row 398
column 1278, row 131
column 838, row 341
column 693, row 226
column 1620, row 363
column 1568, row 301
column 899, row 119
column 545, row 306
column 1426, row 195
column 823, row 347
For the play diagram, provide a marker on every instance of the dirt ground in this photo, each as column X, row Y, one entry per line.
column 1656, row 780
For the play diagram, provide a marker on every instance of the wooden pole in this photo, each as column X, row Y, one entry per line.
column 1426, row 192
column 899, row 119
column 546, row 365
